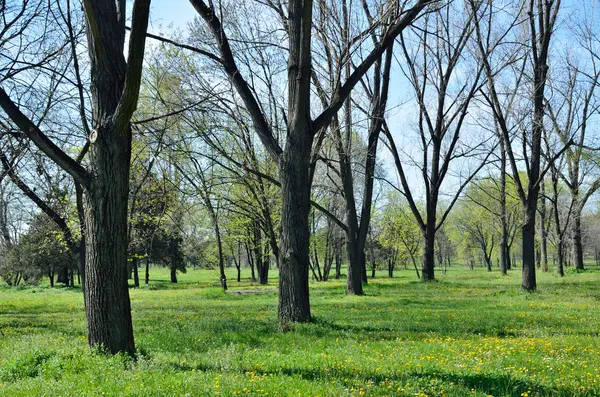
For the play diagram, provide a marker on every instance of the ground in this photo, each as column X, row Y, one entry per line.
column 470, row 333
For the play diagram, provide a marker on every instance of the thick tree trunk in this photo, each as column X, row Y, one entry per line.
column 108, row 307
column 354, row 276
column 528, row 234
column 428, row 258
column 147, row 272
column 363, row 266
column 294, row 305
column 577, row 240
column 561, row 259
column 173, row 275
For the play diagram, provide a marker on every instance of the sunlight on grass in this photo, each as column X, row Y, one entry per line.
column 470, row 333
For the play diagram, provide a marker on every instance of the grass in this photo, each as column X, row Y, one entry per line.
column 470, row 333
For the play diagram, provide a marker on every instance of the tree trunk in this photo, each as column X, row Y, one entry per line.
column 354, row 270
column 105, row 215
column 294, row 304
column 528, row 235
column 173, row 275
column 338, row 261
column 427, row 270
column 504, row 255
column 543, row 229
column 51, row 278
column 363, row 266
column 63, row 275
column 577, row 240
column 136, row 273
column 147, row 275
column 560, row 265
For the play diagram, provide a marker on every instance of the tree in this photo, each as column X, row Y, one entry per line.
column 542, row 16
column 115, row 87
column 294, row 159
column 400, row 232
column 431, row 64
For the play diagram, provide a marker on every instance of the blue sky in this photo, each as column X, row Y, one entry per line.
column 170, row 12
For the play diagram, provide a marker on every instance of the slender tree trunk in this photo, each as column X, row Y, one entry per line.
column 414, row 262
column 543, row 229
column 147, row 275
column 136, row 272
column 51, row 278
column 338, row 261
column 504, row 255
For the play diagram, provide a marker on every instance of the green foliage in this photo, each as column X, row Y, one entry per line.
column 39, row 252
column 399, row 230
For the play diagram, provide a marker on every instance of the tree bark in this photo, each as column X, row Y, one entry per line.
column 577, row 240
column 108, row 307
column 136, row 273
column 428, row 258
column 173, row 274
column 528, row 234
column 294, row 305
column 544, row 238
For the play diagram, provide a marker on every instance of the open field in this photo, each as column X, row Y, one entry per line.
column 470, row 333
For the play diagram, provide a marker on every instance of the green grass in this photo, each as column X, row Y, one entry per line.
column 470, row 333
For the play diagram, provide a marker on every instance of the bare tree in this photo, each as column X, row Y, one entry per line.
column 431, row 66
column 294, row 159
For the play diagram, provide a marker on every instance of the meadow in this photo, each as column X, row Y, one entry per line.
column 471, row 333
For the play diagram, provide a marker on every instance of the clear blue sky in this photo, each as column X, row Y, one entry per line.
column 165, row 13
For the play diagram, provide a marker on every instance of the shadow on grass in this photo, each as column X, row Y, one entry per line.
column 490, row 384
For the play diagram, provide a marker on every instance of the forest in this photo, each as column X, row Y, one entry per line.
column 256, row 175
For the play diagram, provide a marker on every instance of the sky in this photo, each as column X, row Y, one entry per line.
column 166, row 13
